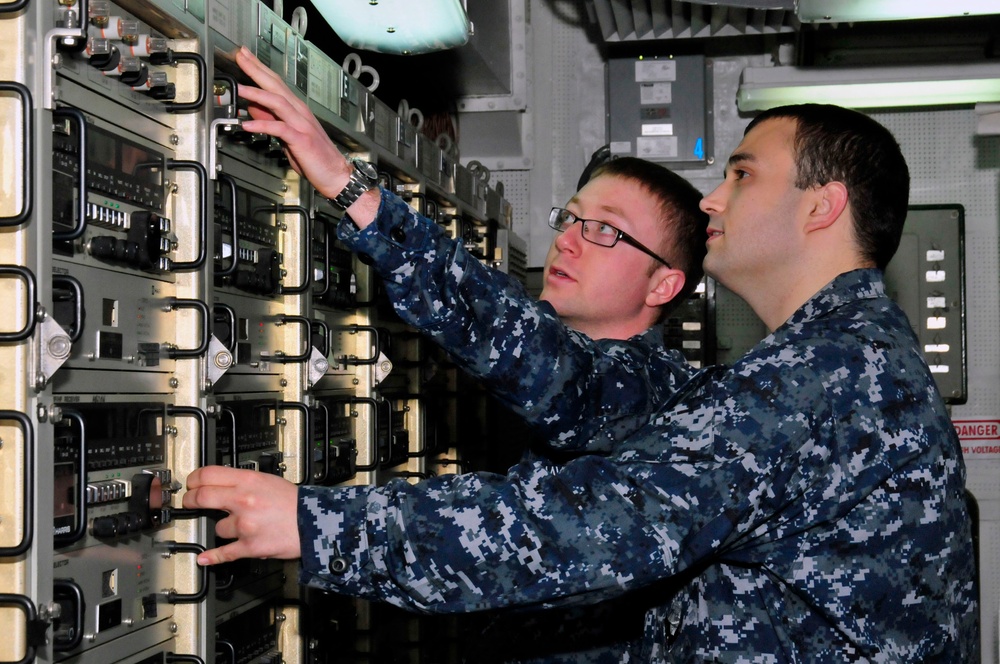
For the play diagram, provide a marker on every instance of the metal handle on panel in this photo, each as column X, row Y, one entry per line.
column 354, row 329
column 322, row 325
column 174, row 597
column 199, row 168
column 302, row 357
column 26, row 605
column 307, row 251
column 29, row 484
column 77, row 116
column 328, row 223
column 224, row 586
column 179, row 303
column 229, row 314
column 233, row 90
column 13, row 7
column 70, row 588
column 306, row 427
column 230, row 650
column 326, row 447
column 29, row 326
column 80, row 529
column 422, row 201
column 73, row 284
column 385, row 403
column 174, row 658
column 28, row 190
column 228, row 181
column 387, row 180
column 233, row 450
column 199, row 101
column 373, row 446
column 199, row 415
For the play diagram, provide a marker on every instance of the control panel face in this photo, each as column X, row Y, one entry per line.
column 185, row 301
column 112, row 498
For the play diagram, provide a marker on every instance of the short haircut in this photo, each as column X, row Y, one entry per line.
column 834, row 144
column 682, row 221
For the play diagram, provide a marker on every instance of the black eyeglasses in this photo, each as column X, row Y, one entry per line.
column 598, row 232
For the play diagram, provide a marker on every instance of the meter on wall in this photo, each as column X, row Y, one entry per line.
column 658, row 109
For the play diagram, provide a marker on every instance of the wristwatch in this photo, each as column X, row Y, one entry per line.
column 363, row 177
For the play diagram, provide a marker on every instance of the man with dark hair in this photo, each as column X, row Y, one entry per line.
column 858, row 154
column 806, row 504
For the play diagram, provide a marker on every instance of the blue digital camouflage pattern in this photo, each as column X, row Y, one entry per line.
column 571, row 389
column 810, row 500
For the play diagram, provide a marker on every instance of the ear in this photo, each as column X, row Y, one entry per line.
column 828, row 203
column 667, row 283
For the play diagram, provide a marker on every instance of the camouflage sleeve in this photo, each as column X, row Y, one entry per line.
column 545, row 534
column 580, row 394
column 470, row 542
column 809, row 499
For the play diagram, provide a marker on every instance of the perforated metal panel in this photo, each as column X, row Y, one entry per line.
column 567, row 114
column 948, row 163
column 517, row 192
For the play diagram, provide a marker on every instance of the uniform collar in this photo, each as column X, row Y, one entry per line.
column 862, row 284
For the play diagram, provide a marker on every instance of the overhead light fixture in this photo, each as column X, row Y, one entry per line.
column 849, row 11
column 762, row 88
column 399, row 27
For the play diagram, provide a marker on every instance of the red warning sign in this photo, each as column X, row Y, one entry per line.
column 979, row 437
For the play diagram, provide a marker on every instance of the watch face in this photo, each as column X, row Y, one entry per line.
column 366, row 169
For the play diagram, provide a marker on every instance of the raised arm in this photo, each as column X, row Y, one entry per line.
column 580, row 394
column 276, row 111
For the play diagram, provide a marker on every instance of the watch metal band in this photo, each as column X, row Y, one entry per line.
column 363, row 178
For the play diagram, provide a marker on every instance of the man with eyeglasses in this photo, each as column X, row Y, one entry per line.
column 804, row 505
column 619, row 294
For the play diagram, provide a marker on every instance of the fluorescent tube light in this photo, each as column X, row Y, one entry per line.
column 400, row 27
column 869, row 87
column 848, row 11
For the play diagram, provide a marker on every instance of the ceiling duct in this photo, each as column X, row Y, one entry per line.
column 641, row 20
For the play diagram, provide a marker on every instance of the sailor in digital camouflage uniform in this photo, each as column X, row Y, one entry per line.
column 810, row 498
column 814, row 491
column 811, row 545
column 615, row 294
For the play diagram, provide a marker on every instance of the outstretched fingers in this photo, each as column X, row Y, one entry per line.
column 277, row 111
column 273, row 94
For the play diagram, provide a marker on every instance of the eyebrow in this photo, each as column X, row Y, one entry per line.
column 738, row 158
column 614, row 211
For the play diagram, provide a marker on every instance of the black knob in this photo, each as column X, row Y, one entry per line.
column 133, row 522
column 107, row 61
column 105, row 527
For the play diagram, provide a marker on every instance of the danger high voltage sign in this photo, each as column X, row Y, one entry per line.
column 979, row 437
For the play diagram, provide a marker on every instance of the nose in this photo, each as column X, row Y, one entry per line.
column 712, row 203
column 570, row 239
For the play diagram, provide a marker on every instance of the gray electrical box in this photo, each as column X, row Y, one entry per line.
column 926, row 278
column 658, row 109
